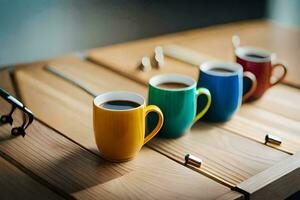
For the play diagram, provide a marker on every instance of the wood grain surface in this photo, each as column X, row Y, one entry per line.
column 228, row 157
column 143, row 185
column 255, row 123
column 214, row 41
column 125, row 59
column 70, row 168
column 14, row 184
column 282, row 100
column 53, row 157
column 277, row 182
column 231, row 195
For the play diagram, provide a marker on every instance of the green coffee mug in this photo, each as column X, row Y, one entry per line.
column 176, row 95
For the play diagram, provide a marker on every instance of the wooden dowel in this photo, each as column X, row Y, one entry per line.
column 186, row 55
column 70, row 79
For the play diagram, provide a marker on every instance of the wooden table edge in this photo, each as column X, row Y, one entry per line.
column 280, row 179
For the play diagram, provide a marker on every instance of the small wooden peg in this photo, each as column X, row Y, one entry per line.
column 158, row 58
column 235, row 41
column 145, row 64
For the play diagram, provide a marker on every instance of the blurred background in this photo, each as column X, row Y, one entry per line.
column 39, row 29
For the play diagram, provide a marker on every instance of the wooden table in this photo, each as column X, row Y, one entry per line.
column 58, row 157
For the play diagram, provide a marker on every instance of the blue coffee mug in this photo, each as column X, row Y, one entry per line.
column 224, row 80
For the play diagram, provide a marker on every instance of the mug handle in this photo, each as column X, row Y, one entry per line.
column 205, row 92
column 283, row 75
column 252, row 77
column 153, row 108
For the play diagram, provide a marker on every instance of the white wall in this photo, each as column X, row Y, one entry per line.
column 285, row 12
column 37, row 29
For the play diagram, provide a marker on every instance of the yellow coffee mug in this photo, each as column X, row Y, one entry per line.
column 120, row 134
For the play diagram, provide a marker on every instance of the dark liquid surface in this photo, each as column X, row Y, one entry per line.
column 172, row 85
column 120, row 105
column 221, row 70
column 256, row 56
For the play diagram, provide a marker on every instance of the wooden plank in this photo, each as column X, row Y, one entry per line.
column 232, row 195
column 255, row 123
column 278, row 182
column 214, row 41
column 220, row 149
column 53, row 157
column 146, row 187
column 57, row 160
column 74, row 170
column 71, row 168
column 226, row 156
column 282, row 100
column 14, row 184
column 128, row 64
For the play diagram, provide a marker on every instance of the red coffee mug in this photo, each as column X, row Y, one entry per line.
column 258, row 62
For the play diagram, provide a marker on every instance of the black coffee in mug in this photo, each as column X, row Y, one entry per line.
column 257, row 56
column 120, row 105
column 221, row 70
column 172, row 85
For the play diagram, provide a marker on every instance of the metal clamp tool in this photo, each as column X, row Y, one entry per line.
column 8, row 119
